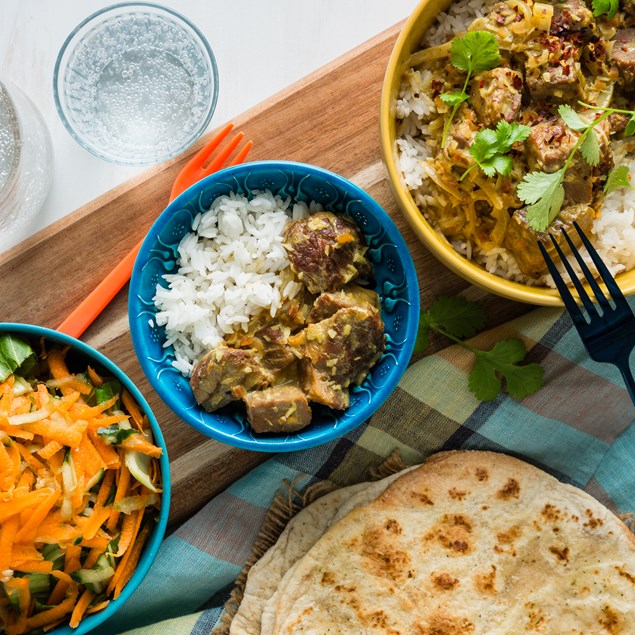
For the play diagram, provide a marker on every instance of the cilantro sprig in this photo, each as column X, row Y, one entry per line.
column 608, row 7
column 544, row 192
column 457, row 318
column 490, row 147
column 475, row 52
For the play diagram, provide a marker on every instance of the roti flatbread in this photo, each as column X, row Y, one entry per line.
column 474, row 543
column 300, row 534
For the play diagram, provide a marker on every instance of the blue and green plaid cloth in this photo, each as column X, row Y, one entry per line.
column 577, row 427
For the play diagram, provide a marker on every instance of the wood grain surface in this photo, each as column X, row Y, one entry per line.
column 330, row 119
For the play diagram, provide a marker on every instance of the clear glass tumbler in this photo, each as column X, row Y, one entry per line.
column 136, row 83
column 25, row 161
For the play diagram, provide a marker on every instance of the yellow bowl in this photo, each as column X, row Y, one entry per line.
column 407, row 42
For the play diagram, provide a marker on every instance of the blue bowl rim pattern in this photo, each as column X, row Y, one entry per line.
column 205, row 47
column 135, row 306
column 156, row 536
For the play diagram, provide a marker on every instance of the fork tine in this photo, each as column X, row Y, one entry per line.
column 584, row 296
column 204, row 153
column 242, row 155
column 605, row 274
column 567, row 298
column 222, row 156
column 590, row 278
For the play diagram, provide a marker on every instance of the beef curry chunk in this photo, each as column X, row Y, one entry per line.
column 277, row 409
column 270, row 342
column 554, row 78
column 221, row 371
column 337, row 352
column 461, row 136
column 551, row 142
column 623, row 55
column 325, row 251
column 496, row 95
column 522, row 241
column 327, row 304
column 572, row 16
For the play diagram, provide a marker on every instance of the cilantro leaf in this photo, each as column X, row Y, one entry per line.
column 617, row 178
column 608, row 7
column 454, row 99
column 590, row 148
column 484, row 145
column 507, row 134
column 458, row 316
column 500, row 163
column 490, row 146
column 455, row 317
column 629, row 131
column 502, row 360
column 544, row 194
column 423, row 336
column 476, row 51
column 572, row 119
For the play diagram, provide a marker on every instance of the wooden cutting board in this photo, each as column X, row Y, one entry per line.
column 330, row 119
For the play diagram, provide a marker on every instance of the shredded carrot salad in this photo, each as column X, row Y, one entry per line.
column 79, row 488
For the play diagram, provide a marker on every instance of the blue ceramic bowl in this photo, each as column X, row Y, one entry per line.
column 82, row 352
column 395, row 282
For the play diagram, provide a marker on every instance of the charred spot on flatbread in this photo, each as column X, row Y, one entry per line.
column 444, row 581
column 510, row 490
column 453, row 532
column 382, row 558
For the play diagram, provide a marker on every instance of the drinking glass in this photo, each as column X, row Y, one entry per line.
column 136, row 83
column 25, row 161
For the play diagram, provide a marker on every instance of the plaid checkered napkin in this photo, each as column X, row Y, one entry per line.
column 577, row 427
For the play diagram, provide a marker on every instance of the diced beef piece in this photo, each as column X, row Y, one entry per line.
column 572, row 16
column 496, row 95
column 325, row 251
column 548, row 146
column 554, row 78
column 461, row 136
column 221, row 371
column 327, row 304
column 628, row 6
column 270, row 342
column 277, row 409
column 501, row 14
column 522, row 241
column 623, row 55
column 617, row 122
column 337, row 352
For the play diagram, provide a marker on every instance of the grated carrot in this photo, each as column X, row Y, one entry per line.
column 59, row 480
column 80, row 608
column 63, row 608
column 8, row 531
column 131, row 563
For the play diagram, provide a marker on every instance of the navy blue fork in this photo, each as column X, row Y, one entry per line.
column 608, row 333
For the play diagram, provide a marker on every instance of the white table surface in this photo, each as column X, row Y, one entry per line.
column 261, row 46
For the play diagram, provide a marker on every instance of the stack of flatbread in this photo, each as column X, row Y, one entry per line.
column 467, row 543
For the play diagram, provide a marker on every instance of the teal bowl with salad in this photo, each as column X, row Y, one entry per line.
column 84, row 484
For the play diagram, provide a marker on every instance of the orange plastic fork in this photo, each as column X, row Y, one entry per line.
column 196, row 168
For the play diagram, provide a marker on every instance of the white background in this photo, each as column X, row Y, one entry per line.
column 261, row 46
